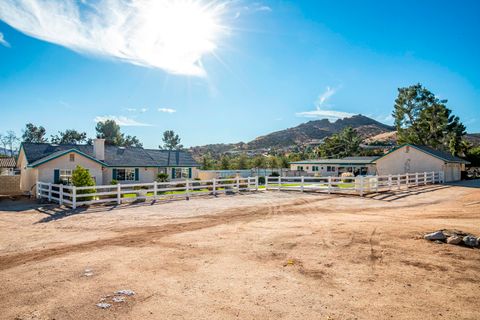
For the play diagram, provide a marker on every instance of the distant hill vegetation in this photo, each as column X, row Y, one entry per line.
column 303, row 134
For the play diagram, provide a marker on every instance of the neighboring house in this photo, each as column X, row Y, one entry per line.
column 7, row 166
column 54, row 163
column 403, row 159
column 410, row 158
column 335, row 167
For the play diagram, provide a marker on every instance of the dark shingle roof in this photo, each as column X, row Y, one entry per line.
column 7, row 163
column 343, row 161
column 114, row 156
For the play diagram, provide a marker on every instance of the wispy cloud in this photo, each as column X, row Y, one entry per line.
column 167, row 110
column 166, row 34
column 3, row 42
column 140, row 110
column 122, row 121
column 322, row 109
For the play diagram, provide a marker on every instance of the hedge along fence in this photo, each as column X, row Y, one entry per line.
column 358, row 185
column 117, row 194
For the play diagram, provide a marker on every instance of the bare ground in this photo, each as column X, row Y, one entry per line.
column 272, row 255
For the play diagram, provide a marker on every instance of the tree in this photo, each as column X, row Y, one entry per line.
column 242, row 162
column 70, row 136
column 343, row 144
column 421, row 118
column 225, row 163
column 9, row 142
column 110, row 131
column 171, row 141
column 81, row 178
column 34, row 134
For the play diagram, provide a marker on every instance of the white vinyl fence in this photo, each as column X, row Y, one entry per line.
column 358, row 185
column 77, row 196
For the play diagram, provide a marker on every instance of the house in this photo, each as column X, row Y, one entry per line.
column 410, row 158
column 335, row 167
column 7, row 166
column 406, row 158
column 54, row 163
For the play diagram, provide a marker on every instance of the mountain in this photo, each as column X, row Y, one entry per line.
column 303, row 134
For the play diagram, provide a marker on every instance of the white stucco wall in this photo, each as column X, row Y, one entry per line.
column 322, row 169
column 409, row 160
column 46, row 170
column 28, row 176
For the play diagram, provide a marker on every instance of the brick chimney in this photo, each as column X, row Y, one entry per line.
column 99, row 149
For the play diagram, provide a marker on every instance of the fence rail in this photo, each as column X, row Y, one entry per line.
column 77, row 196
column 358, row 185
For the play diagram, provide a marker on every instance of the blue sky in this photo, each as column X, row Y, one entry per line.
column 272, row 65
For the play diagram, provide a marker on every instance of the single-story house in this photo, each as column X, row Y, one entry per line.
column 335, row 167
column 7, row 166
column 54, row 163
column 409, row 158
column 406, row 158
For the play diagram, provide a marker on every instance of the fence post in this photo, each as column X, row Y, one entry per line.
column 238, row 183
column 399, row 182
column 279, row 183
column 416, row 179
column 74, row 197
column 214, row 186
column 329, row 183
column 266, row 182
column 155, row 190
column 49, row 192
column 389, row 182
column 119, row 194
column 376, row 184
column 433, row 177
column 60, row 196
column 187, row 189
column 361, row 186
column 303, row 183
column 425, row 178
column 256, row 183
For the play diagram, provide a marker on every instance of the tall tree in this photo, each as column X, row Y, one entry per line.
column 343, row 144
column 35, row 134
column 171, row 141
column 421, row 118
column 110, row 131
column 70, row 136
column 225, row 163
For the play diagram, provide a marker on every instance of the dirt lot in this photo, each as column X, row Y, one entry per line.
column 272, row 255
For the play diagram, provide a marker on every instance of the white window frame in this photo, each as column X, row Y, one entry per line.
column 128, row 175
column 65, row 175
column 181, row 173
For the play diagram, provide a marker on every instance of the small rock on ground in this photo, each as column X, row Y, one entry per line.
column 104, row 305
column 454, row 240
column 125, row 292
column 438, row 235
column 470, row 241
column 118, row 299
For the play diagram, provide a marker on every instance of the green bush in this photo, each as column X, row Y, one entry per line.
column 81, row 178
column 261, row 180
column 114, row 182
column 275, row 174
column 162, row 177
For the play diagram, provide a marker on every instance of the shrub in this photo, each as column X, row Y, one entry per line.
column 275, row 174
column 162, row 177
column 114, row 182
column 261, row 180
column 347, row 176
column 81, row 178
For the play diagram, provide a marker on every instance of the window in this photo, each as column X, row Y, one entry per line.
column 300, row 168
column 330, row 169
column 181, row 173
column 314, row 168
column 72, row 157
column 65, row 176
column 127, row 174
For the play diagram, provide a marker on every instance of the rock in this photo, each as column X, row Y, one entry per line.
column 88, row 273
column 438, row 235
column 470, row 241
column 104, row 305
column 118, row 299
column 454, row 240
column 125, row 292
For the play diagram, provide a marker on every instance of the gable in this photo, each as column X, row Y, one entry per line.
column 427, row 151
column 62, row 161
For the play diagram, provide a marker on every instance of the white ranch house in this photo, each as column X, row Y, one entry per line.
column 52, row 163
column 406, row 158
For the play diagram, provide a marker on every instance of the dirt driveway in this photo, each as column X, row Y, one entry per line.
column 268, row 255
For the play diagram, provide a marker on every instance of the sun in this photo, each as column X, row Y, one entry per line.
column 181, row 32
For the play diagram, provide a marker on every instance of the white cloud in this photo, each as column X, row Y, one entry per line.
column 141, row 110
column 3, row 41
column 122, row 121
column 171, row 35
column 167, row 110
column 321, row 111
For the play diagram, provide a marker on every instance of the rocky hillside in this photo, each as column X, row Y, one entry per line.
column 391, row 138
column 305, row 133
